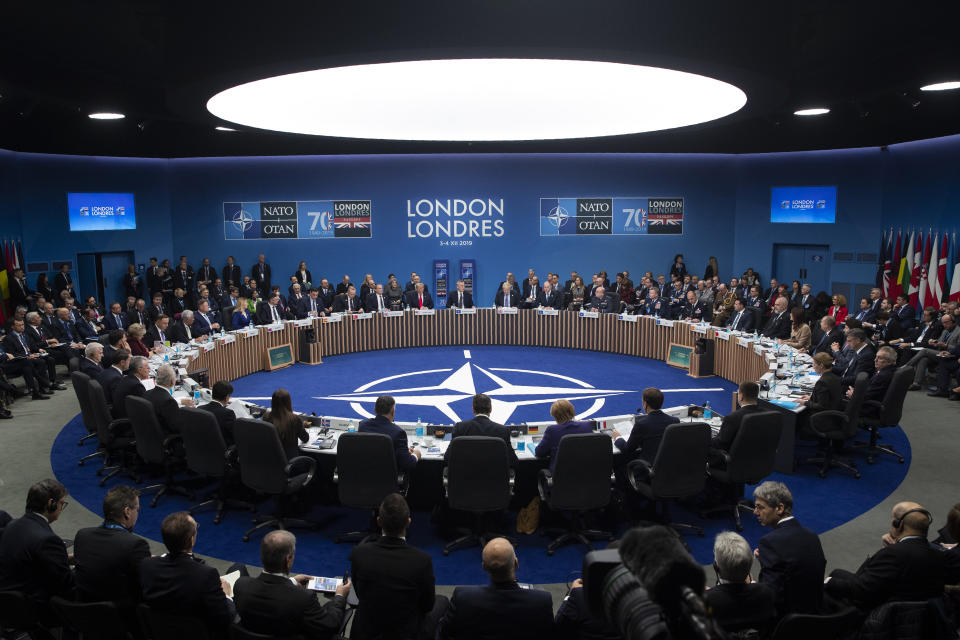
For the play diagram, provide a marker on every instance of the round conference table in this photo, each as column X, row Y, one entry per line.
column 243, row 352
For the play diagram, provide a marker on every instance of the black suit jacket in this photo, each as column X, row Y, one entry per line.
column 108, row 564
column 166, row 408
column 823, row 345
column 33, row 559
column 826, row 394
column 744, row 323
column 261, row 273
column 126, row 386
column 499, row 611
column 91, row 368
column 225, row 418
column 109, row 380
column 742, row 606
column 879, row 382
column 273, row 605
column 380, row 424
column 910, row 570
column 575, row 620
column 413, row 300
column 140, row 317
column 514, row 299
column 792, row 565
column 340, row 304
column 778, row 326
column 371, row 302
column 61, row 282
column 395, row 585
column 646, row 436
column 231, row 276
column 731, row 425
column 484, row 426
column 110, row 322
column 697, row 312
column 607, row 304
column 184, row 585
column 554, row 300
column 467, row 300
column 863, row 361
column 177, row 332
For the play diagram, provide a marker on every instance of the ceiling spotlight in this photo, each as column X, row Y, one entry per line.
column 478, row 100
column 106, row 115
column 942, row 86
column 225, row 129
column 815, row 111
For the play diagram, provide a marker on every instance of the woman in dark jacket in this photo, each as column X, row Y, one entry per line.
column 678, row 268
column 44, row 289
column 289, row 426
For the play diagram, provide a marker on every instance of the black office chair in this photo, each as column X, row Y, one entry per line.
column 208, row 455
column 160, row 625
column 155, row 447
column 18, row 615
column 226, row 318
column 264, row 467
column 114, row 437
column 82, row 391
column 478, row 479
column 73, row 364
column 580, row 482
column 803, row 626
column 837, row 427
column 679, row 469
column 92, row 620
column 750, row 459
column 906, row 620
column 365, row 474
column 888, row 414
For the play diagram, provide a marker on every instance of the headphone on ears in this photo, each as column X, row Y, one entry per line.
column 898, row 522
column 52, row 505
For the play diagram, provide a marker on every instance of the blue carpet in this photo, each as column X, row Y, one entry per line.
column 821, row 504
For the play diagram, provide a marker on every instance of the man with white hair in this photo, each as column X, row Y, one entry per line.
column 737, row 602
column 90, row 364
column 182, row 331
column 130, row 385
column 165, row 406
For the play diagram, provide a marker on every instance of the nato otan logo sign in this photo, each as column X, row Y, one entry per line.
column 616, row 216
column 301, row 219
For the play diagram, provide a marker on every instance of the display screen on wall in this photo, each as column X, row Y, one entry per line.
column 101, row 211
column 803, row 204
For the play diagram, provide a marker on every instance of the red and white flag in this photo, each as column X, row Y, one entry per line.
column 915, row 263
column 933, row 260
column 941, row 283
column 955, row 283
column 924, row 274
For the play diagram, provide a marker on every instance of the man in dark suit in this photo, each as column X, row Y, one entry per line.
column 747, row 395
column 28, row 368
column 904, row 312
column 63, row 281
column 278, row 604
column 270, row 312
column 603, row 303
column 779, row 324
column 113, row 374
column 206, row 274
column 166, row 408
column 296, row 299
column 180, row 583
column 88, row 328
column 20, row 294
column 138, row 315
column 130, row 385
column 831, row 334
column 157, row 308
column 108, row 556
column 501, row 609
column 861, row 358
column 205, row 320
column 232, row 276
column 260, row 273
column 419, row 298
column 90, row 362
column 16, row 346
column 907, row 568
column 654, row 305
column 742, row 318
column 158, row 331
column 385, row 407
column 548, row 297
column 394, row 581
column 376, row 301
column 791, row 557
column 482, row 425
column 460, row 297
column 312, row 306
column 222, row 390
column 183, row 331
column 116, row 319
column 644, row 440
column 33, row 559
column 886, row 365
column 327, row 294
column 530, row 284
column 507, row 296
column 866, row 312
column 697, row 311
column 345, row 284
column 737, row 603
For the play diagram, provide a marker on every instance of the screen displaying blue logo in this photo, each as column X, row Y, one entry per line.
column 803, row 204
column 101, row 211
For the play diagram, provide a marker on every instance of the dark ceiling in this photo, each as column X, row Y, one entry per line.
column 160, row 62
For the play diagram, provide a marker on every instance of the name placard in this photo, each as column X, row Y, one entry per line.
column 250, row 332
column 424, row 312
column 227, row 339
column 271, row 328
column 306, row 322
column 757, row 349
column 362, row 316
column 334, row 318
column 589, row 314
column 208, row 346
column 507, row 311
column 743, row 342
column 664, row 323
column 723, row 335
column 547, row 312
column 472, row 311
column 699, row 328
column 626, row 317
column 393, row 314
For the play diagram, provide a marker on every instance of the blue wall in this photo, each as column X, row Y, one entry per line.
column 726, row 206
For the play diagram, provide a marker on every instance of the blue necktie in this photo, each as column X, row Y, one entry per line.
column 24, row 343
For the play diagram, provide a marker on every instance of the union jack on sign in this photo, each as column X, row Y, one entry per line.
column 354, row 223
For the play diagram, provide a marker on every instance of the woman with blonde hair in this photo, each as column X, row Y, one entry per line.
column 563, row 412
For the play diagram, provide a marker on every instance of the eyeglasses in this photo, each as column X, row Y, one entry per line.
column 63, row 504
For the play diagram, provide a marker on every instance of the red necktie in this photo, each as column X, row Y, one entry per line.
column 421, row 301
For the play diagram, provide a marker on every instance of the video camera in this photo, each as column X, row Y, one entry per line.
column 650, row 588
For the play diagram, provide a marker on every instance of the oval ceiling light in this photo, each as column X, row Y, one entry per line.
column 941, row 86
column 478, row 99
column 106, row 115
column 815, row 111
column 225, row 129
